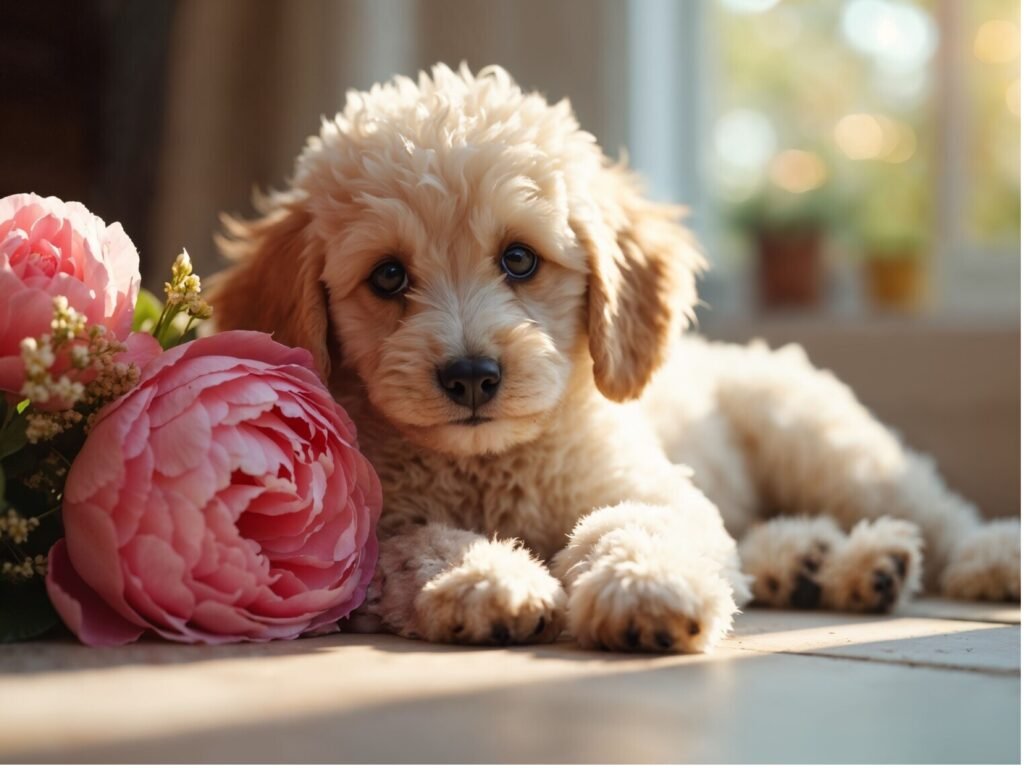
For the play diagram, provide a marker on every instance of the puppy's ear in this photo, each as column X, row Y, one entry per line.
column 642, row 285
column 276, row 285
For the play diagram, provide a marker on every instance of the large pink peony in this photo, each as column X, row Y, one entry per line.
column 51, row 248
column 223, row 499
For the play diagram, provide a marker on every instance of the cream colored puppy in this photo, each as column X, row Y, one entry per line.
column 490, row 299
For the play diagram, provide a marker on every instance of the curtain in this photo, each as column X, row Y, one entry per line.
column 248, row 81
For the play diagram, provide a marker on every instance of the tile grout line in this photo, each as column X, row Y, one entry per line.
column 995, row 622
column 988, row 671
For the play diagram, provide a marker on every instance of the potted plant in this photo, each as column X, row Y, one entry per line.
column 894, row 268
column 787, row 232
column 894, row 242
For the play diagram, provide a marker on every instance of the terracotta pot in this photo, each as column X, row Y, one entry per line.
column 790, row 267
column 895, row 282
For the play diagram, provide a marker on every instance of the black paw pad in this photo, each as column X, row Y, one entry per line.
column 500, row 633
column 664, row 639
column 806, row 593
column 693, row 628
column 541, row 624
column 900, row 562
column 631, row 637
column 884, row 585
column 810, row 564
column 458, row 629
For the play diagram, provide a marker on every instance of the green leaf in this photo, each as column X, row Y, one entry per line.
column 25, row 610
column 147, row 312
column 13, row 438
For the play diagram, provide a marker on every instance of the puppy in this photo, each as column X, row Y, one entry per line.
column 500, row 310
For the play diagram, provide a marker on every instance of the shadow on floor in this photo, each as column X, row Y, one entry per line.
column 68, row 655
column 753, row 708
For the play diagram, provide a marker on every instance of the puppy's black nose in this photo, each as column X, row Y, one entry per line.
column 470, row 381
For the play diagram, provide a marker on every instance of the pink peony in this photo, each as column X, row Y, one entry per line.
column 51, row 248
column 222, row 499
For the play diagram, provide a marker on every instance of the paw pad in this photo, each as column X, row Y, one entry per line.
column 900, row 561
column 631, row 638
column 885, row 587
column 663, row 639
column 806, row 593
column 500, row 633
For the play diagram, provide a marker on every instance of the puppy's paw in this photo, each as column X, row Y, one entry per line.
column 877, row 568
column 986, row 565
column 637, row 594
column 498, row 594
column 785, row 556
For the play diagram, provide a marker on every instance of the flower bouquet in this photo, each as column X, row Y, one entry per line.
column 203, row 490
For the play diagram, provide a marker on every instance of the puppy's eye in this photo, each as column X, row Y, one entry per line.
column 389, row 279
column 519, row 262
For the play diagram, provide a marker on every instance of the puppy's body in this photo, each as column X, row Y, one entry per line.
column 389, row 260
column 591, row 454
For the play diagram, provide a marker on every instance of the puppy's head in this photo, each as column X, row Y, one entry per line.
column 469, row 254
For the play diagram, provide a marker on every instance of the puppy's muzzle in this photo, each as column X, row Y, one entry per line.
column 470, row 381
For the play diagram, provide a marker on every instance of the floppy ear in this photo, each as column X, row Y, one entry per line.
column 642, row 285
column 276, row 285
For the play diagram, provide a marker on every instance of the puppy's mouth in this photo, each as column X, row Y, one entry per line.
column 474, row 434
column 471, row 421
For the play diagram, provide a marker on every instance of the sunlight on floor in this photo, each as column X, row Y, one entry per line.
column 789, row 687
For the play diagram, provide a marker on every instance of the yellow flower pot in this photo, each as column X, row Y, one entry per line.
column 895, row 281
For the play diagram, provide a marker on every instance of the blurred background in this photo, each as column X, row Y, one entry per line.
column 852, row 166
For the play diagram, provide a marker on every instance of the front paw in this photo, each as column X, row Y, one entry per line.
column 499, row 594
column 635, row 593
column 986, row 565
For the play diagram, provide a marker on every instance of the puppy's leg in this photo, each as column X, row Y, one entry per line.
column 650, row 578
column 812, row 445
column 804, row 562
column 448, row 585
column 682, row 409
column 986, row 564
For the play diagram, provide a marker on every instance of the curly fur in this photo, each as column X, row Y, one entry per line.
column 624, row 479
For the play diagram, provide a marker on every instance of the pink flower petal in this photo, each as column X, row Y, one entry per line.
column 161, row 571
column 83, row 611
column 179, row 445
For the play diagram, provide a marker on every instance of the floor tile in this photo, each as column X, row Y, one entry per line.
column 936, row 608
column 789, row 687
column 964, row 645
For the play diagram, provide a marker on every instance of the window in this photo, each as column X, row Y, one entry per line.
column 862, row 153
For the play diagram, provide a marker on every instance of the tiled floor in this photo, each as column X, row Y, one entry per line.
column 940, row 682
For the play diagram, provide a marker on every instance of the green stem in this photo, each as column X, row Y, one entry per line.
column 159, row 322
column 62, row 457
column 163, row 325
column 163, row 336
column 18, row 555
column 50, row 511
